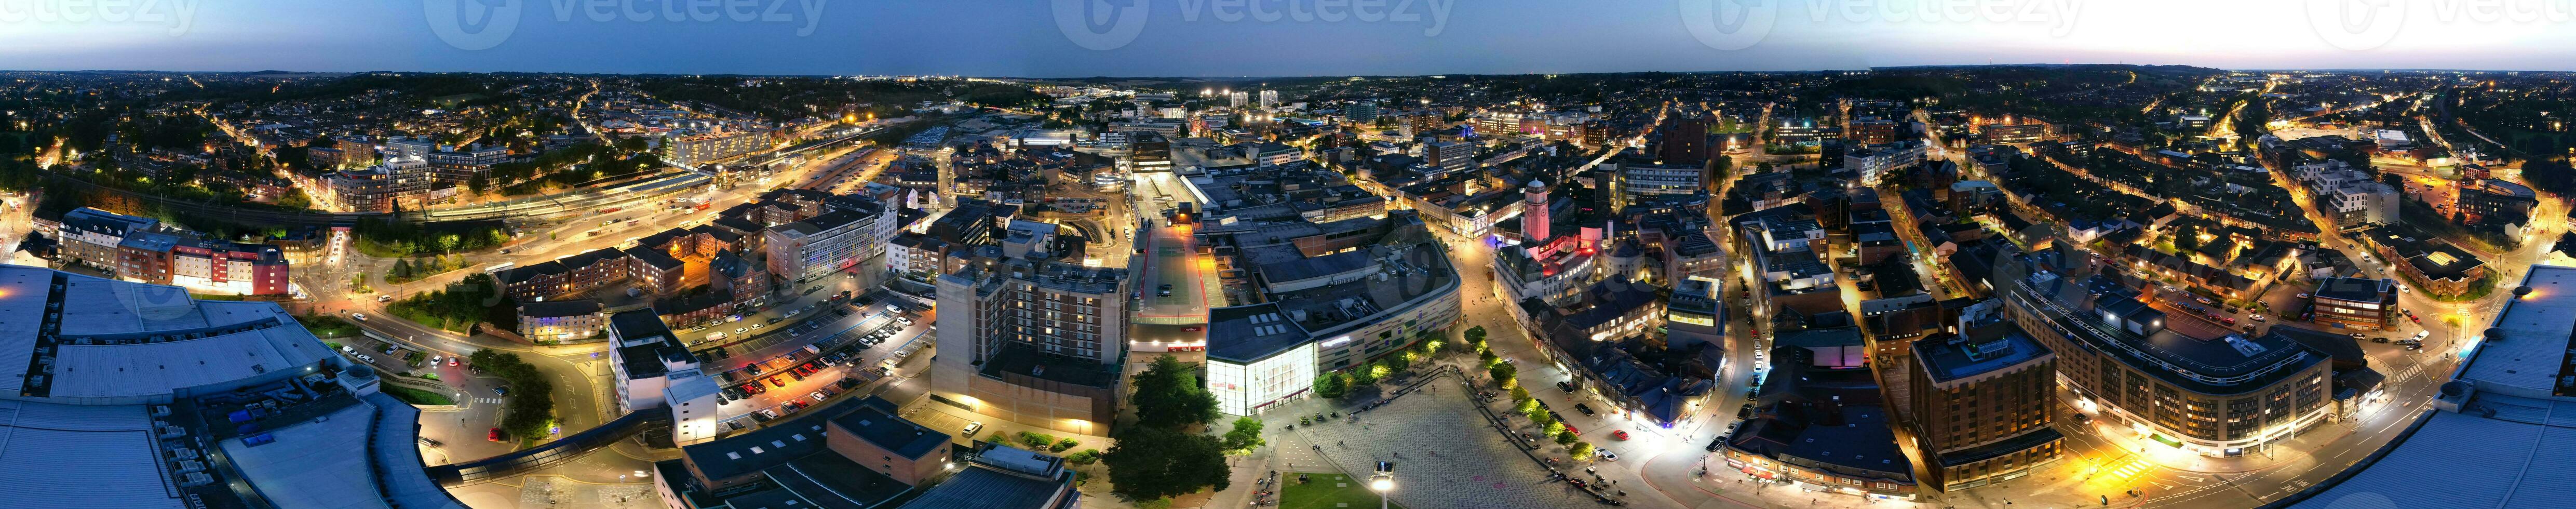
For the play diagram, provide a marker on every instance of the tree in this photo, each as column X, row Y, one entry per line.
column 402, row 268
column 1488, row 358
column 1332, row 385
column 1566, row 438
column 1152, row 463
column 1169, row 396
column 1524, row 405
column 1582, row 451
column 1556, row 428
column 1505, row 374
column 1245, row 436
column 2186, row 239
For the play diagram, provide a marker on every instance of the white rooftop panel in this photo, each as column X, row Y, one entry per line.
column 2536, row 334
column 22, row 309
column 314, row 464
column 68, row 468
column 95, row 371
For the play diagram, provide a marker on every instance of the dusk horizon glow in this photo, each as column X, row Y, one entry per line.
column 1215, row 38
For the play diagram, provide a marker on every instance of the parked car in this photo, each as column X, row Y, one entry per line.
column 494, row 435
column 973, row 426
column 1607, row 456
column 1586, row 409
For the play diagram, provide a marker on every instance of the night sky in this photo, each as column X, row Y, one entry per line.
column 1300, row 37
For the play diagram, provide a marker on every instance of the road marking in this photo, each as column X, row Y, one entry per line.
column 487, row 400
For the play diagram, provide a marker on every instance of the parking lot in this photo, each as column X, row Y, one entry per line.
column 815, row 359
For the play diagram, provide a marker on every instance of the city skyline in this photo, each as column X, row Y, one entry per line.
column 1300, row 37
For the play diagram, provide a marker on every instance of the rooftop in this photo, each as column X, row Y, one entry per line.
column 1945, row 359
column 903, row 437
column 2499, row 433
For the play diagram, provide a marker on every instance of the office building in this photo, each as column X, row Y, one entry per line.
column 2356, row 303
column 1451, row 156
column 850, row 238
column 1641, row 181
column 653, row 371
column 2226, row 395
column 1982, row 405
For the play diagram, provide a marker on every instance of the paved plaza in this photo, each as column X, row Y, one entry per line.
column 1446, row 455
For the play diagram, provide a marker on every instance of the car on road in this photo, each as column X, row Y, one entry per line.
column 501, row 390
column 1164, row 291
column 2256, row 317
column 1565, row 385
column 2303, row 295
column 1192, row 328
column 759, row 325
column 385, row 298
column 2355, row 335
column 2420, row 335
column 2378, row 340
column 451, row 362
column 360, row 316
column 1716, row 442
column 1620, row 434
column 348, row 349
column 1607, row 456
column 494, row 435
column 773, row 380
column 973, row 426
column 740, row 330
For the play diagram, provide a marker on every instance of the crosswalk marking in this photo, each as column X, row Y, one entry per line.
column 488, row 400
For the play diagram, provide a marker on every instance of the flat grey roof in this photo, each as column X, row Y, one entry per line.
column 2510, row 444
column 54, row 455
